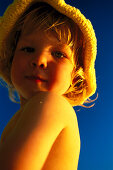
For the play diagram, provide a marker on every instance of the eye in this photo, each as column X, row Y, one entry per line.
column 28, row 49
column 58, row 54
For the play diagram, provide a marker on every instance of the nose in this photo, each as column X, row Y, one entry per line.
column 40, row 61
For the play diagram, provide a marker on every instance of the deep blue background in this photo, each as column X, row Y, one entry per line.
column 95, row 124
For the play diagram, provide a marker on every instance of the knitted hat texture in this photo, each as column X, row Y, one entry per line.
column 18, row 7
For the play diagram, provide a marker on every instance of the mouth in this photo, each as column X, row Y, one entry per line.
column 36, row 78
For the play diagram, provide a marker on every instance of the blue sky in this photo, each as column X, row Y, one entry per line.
column 95, row 124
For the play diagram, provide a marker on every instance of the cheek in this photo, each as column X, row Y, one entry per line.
column 61, row 73
column 14, row 73
column 17, row 69
column 13, row 69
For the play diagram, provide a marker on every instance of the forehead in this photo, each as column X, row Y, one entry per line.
column 44, row 37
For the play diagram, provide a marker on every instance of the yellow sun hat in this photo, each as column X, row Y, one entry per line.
column 18, row 7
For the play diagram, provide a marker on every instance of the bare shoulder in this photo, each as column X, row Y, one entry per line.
column 10, row 126
column 44, row 118
column 56, row 105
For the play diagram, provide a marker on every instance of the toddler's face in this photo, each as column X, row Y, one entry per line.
column 40, row 56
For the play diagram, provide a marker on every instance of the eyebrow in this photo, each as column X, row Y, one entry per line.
column 59, row 44
column 26, row 39
column 64, row 46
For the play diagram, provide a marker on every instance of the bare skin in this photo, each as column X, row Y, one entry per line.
column 43, row 134
column 64, row 152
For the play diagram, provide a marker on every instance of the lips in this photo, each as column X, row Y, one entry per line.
column 35, row 78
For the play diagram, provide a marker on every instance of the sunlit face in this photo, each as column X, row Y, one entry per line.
column 40, row 56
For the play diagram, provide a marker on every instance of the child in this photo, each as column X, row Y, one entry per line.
column 47, row 54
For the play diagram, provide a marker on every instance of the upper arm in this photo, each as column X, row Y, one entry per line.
column 37, row 130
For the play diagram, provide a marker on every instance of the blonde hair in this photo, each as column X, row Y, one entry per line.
column 42, row 16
